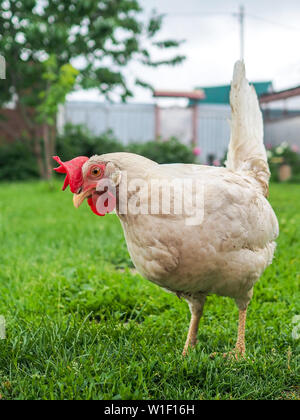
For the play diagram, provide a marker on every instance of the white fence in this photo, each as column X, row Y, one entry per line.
column 129, row 122
column 176, row 122
column 136, row 123
column 213, row 130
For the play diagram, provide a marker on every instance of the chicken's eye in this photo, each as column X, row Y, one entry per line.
column 96, row 172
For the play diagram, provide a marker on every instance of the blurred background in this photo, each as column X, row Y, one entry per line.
column 151, row 77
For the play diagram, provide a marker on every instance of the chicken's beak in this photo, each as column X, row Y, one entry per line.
column 78, row 199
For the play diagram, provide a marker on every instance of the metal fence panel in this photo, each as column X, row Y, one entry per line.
column 282, row 130
column 176, row 122
column 129, row 122
column 213, row 130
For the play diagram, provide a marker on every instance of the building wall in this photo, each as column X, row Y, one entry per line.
column 282, row 130
column 13, row 126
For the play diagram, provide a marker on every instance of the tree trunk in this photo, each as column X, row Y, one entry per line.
column 37, row 150
column 47, row 151
column 53, row 138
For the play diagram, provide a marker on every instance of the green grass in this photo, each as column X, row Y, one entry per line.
column 82, row 325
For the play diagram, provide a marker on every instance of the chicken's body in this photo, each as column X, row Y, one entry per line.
column 225, row 254
column 234, row 241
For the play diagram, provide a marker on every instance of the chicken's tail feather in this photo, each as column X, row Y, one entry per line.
column 246, row 149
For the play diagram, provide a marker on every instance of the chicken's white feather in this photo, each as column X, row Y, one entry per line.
column 246, row 149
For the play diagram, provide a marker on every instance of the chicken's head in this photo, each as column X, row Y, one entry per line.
column 91, row 179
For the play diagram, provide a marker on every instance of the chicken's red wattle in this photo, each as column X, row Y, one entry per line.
column 104, row 207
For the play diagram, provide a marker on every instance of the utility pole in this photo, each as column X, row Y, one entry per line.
column 241, row 17
column 2, row 67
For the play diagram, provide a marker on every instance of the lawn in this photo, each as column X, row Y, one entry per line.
column 81, row 324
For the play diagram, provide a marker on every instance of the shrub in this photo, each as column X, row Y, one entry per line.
column 17, row 162
column 284, row 154
column 78, row 141
column 171, row 151
column 280, row 155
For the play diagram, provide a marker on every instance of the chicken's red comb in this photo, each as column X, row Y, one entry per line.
column 73, row 169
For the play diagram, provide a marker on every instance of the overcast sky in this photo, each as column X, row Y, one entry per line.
column 211, row 34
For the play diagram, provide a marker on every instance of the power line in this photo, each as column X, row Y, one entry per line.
column 241, row 19
column 283, row 25
column 206, row 14
column 196, row 14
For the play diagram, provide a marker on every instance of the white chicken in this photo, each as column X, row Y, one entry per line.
column 228, row 250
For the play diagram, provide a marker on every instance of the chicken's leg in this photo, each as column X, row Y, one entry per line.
column 240, row 347
column 196, row 308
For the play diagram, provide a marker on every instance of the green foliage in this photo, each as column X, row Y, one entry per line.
column 110, row 31
column 78, row 141
column 59, row 82
column 284, row 154
column 17, row 162
column 171, row 151
column 278, row 155
column 82, row 325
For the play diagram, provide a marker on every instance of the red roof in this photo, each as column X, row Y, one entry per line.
column 277, row 96
column 195, row 94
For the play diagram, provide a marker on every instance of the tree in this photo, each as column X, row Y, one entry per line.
column 59, row 82
column 100, row 38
